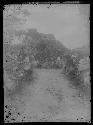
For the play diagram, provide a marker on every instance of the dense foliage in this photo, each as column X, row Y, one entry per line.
column 41, row 52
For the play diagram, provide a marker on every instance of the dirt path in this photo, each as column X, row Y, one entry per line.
column 65, row 105
column 69, row 107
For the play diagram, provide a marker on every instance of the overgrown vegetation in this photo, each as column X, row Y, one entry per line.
column 44, row 52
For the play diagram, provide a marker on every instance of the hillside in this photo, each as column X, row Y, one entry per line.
column 82, row 51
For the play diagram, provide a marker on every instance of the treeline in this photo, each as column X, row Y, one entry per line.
column 42, row 52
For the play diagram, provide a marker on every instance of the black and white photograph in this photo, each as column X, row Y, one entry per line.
column 46, row 63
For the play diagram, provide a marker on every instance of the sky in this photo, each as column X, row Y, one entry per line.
column 68, row 23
